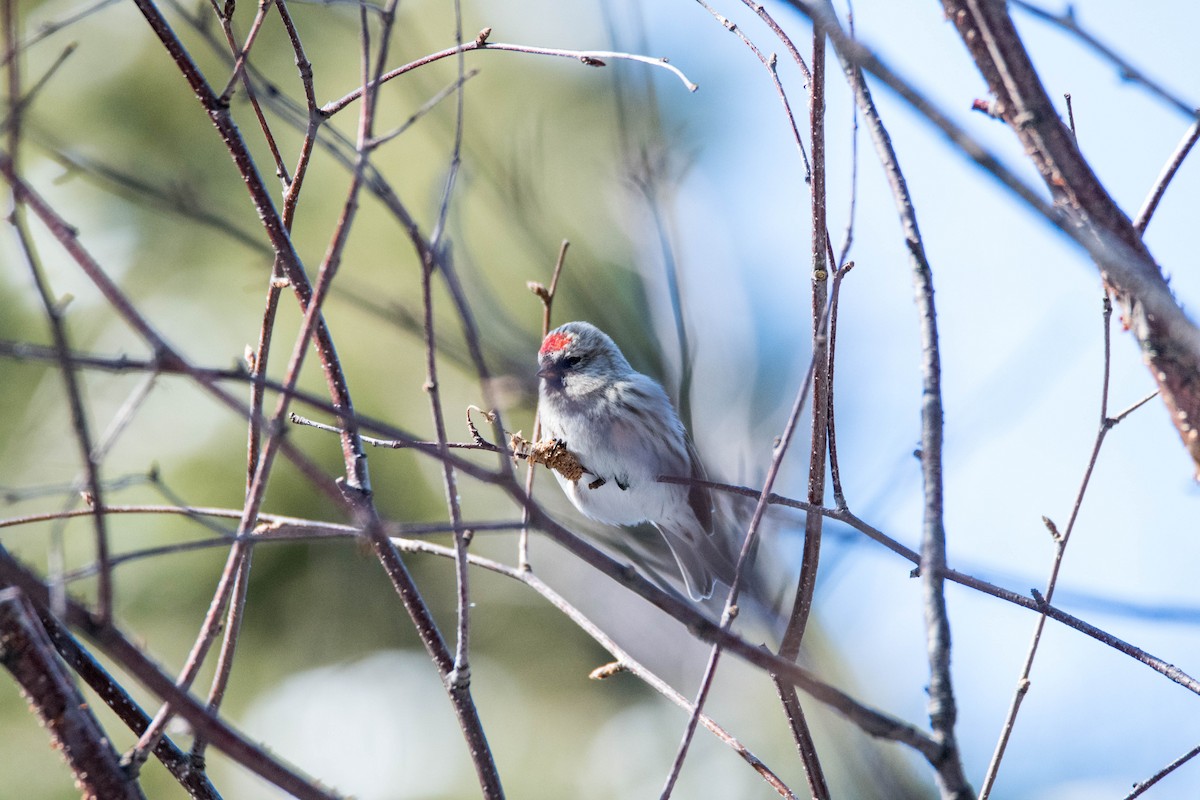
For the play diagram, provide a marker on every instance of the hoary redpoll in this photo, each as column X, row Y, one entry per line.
column 622, row 428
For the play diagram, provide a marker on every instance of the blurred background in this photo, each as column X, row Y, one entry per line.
column 652, row 185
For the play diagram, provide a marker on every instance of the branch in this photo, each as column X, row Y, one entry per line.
column 1068, row 22
column 592, row 58
column 1169, row 340
column 54, row 311
column 943, row 712
column 806, row 583
column 1141, row 787
column 1164, row 179
column 115, row 697
column 1106, row 423
column 122, row 651
column 26, row 651
column 624, row 661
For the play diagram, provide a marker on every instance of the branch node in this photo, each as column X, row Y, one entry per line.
column 481, row 39
column 459, row 678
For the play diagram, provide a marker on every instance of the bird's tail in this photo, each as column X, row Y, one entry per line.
column 693, row 551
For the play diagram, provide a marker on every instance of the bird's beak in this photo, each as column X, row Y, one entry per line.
column 551, row 372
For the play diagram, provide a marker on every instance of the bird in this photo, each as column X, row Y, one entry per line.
column 625, row 432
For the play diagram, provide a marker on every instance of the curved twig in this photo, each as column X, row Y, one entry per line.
column 592, row 58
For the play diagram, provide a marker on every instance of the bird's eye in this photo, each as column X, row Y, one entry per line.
column 572, row 361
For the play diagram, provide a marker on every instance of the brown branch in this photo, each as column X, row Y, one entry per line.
column 1170, row 342
column 27, row 653
column 123, row 652
column 806, row 583
column 1084, row 212
column 273, row 225
column 115, row 697
column 947, row 764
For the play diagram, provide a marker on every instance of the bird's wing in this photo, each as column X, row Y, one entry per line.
column 699, row 497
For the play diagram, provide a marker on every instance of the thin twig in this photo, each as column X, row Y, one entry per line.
column 1165, row 177
column 848, row 240
column 770, row 62
column 546, row 295
column 459, row 678
column 835, row 472
column 1141, row 787
column 231, row 632
column 120, row 422
column 624, row 660
column 453, row 87
column 1068, row 22
column 1060, row 547
column 54, row 312
column 592, row 58
column 241, row 55
column 806, row 582
column 357, row 476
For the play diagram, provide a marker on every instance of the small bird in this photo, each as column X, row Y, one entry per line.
column 622, row 428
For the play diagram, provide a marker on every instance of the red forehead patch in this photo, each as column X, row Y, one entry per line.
column 554, row 342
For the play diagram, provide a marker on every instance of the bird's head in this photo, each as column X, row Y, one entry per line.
column 579, row 358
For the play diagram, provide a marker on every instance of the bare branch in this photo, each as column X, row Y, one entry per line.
column 1164, row 179
column 30, row 657
column 1068, row 22
column 130, row 657
column 592, row 58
